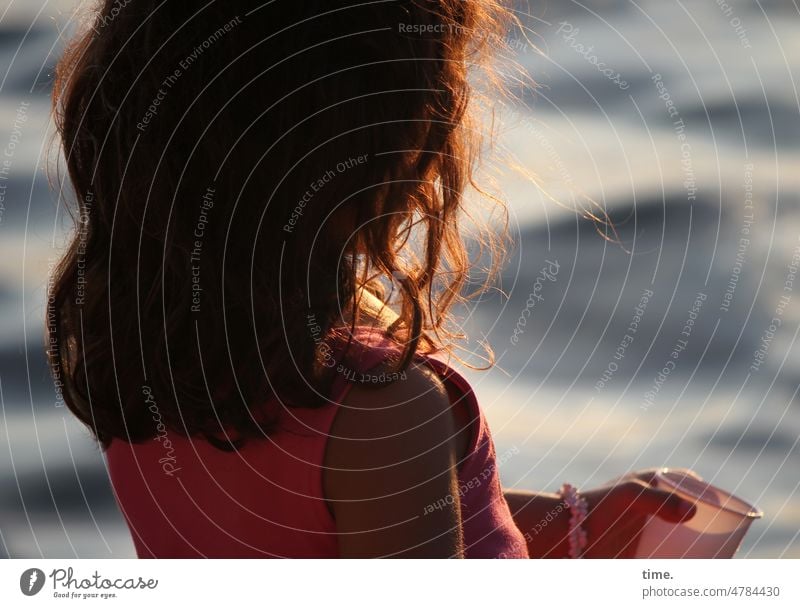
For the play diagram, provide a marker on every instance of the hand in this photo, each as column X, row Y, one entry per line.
column 619, row 510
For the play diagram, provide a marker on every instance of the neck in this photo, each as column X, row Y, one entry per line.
column 372, row 310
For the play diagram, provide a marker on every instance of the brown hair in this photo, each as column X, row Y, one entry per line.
column 242, row 170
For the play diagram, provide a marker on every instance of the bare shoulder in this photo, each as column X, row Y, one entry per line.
column 415, row 407
column 390, row 454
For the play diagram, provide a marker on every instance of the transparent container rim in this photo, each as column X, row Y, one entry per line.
column 749, row 511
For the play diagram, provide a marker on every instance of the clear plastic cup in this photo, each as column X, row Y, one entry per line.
column 715, row 531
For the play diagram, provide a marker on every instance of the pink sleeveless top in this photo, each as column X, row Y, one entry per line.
column 183, row 498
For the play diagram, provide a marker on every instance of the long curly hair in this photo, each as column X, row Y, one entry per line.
column 242, row 172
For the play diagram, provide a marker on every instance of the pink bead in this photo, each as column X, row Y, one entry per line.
column 578, row 512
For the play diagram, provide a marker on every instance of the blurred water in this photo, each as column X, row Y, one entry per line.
column 697, row 151
column 733, row 87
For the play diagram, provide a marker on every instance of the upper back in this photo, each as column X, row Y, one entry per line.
column 182, row 497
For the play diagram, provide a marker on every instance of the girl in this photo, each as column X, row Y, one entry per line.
column 252, row 313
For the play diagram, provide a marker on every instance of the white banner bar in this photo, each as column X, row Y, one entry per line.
column 354, row 583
